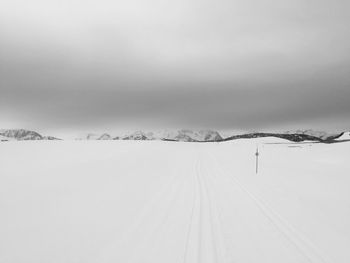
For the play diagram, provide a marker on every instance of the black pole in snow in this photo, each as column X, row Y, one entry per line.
column 256, row 160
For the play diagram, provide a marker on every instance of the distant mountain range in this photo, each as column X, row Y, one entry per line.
column 23, row 135
column 184, row 135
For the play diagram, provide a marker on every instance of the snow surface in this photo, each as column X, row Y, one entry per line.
column 4, row 138
column 345, row 136
column 164, row 202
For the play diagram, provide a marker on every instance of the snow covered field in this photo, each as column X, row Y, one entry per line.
column 172, row 202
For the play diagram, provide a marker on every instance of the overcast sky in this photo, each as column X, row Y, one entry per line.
column 221, row 64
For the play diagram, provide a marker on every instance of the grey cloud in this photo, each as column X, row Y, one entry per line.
column 198, row 106
column 219, row 64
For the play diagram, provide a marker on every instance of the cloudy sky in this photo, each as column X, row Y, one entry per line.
column 222, row 64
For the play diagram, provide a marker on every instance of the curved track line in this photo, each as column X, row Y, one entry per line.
column 215, row 219
column 164, row 193
column 301, row 242
column 195, row 196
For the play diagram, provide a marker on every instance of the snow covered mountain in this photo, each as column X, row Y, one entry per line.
column 138, row 135
column 185, row 135
column 173, row 135
column 202, row 135
column 94, row 136
column 21, row 134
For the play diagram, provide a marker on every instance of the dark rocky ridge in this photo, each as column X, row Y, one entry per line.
column 294, row 137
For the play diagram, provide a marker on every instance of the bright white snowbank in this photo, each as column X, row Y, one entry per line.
column 345, row 136
column 164, row 202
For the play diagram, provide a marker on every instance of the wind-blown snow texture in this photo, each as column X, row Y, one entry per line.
column 157, row 202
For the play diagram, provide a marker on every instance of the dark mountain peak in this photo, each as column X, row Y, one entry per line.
column 138, row 135
column 21, row 134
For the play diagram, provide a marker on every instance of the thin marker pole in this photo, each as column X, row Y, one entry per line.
column 256, row 160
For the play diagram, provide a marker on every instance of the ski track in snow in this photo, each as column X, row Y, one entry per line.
column 204, row 240
column 308, row 250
